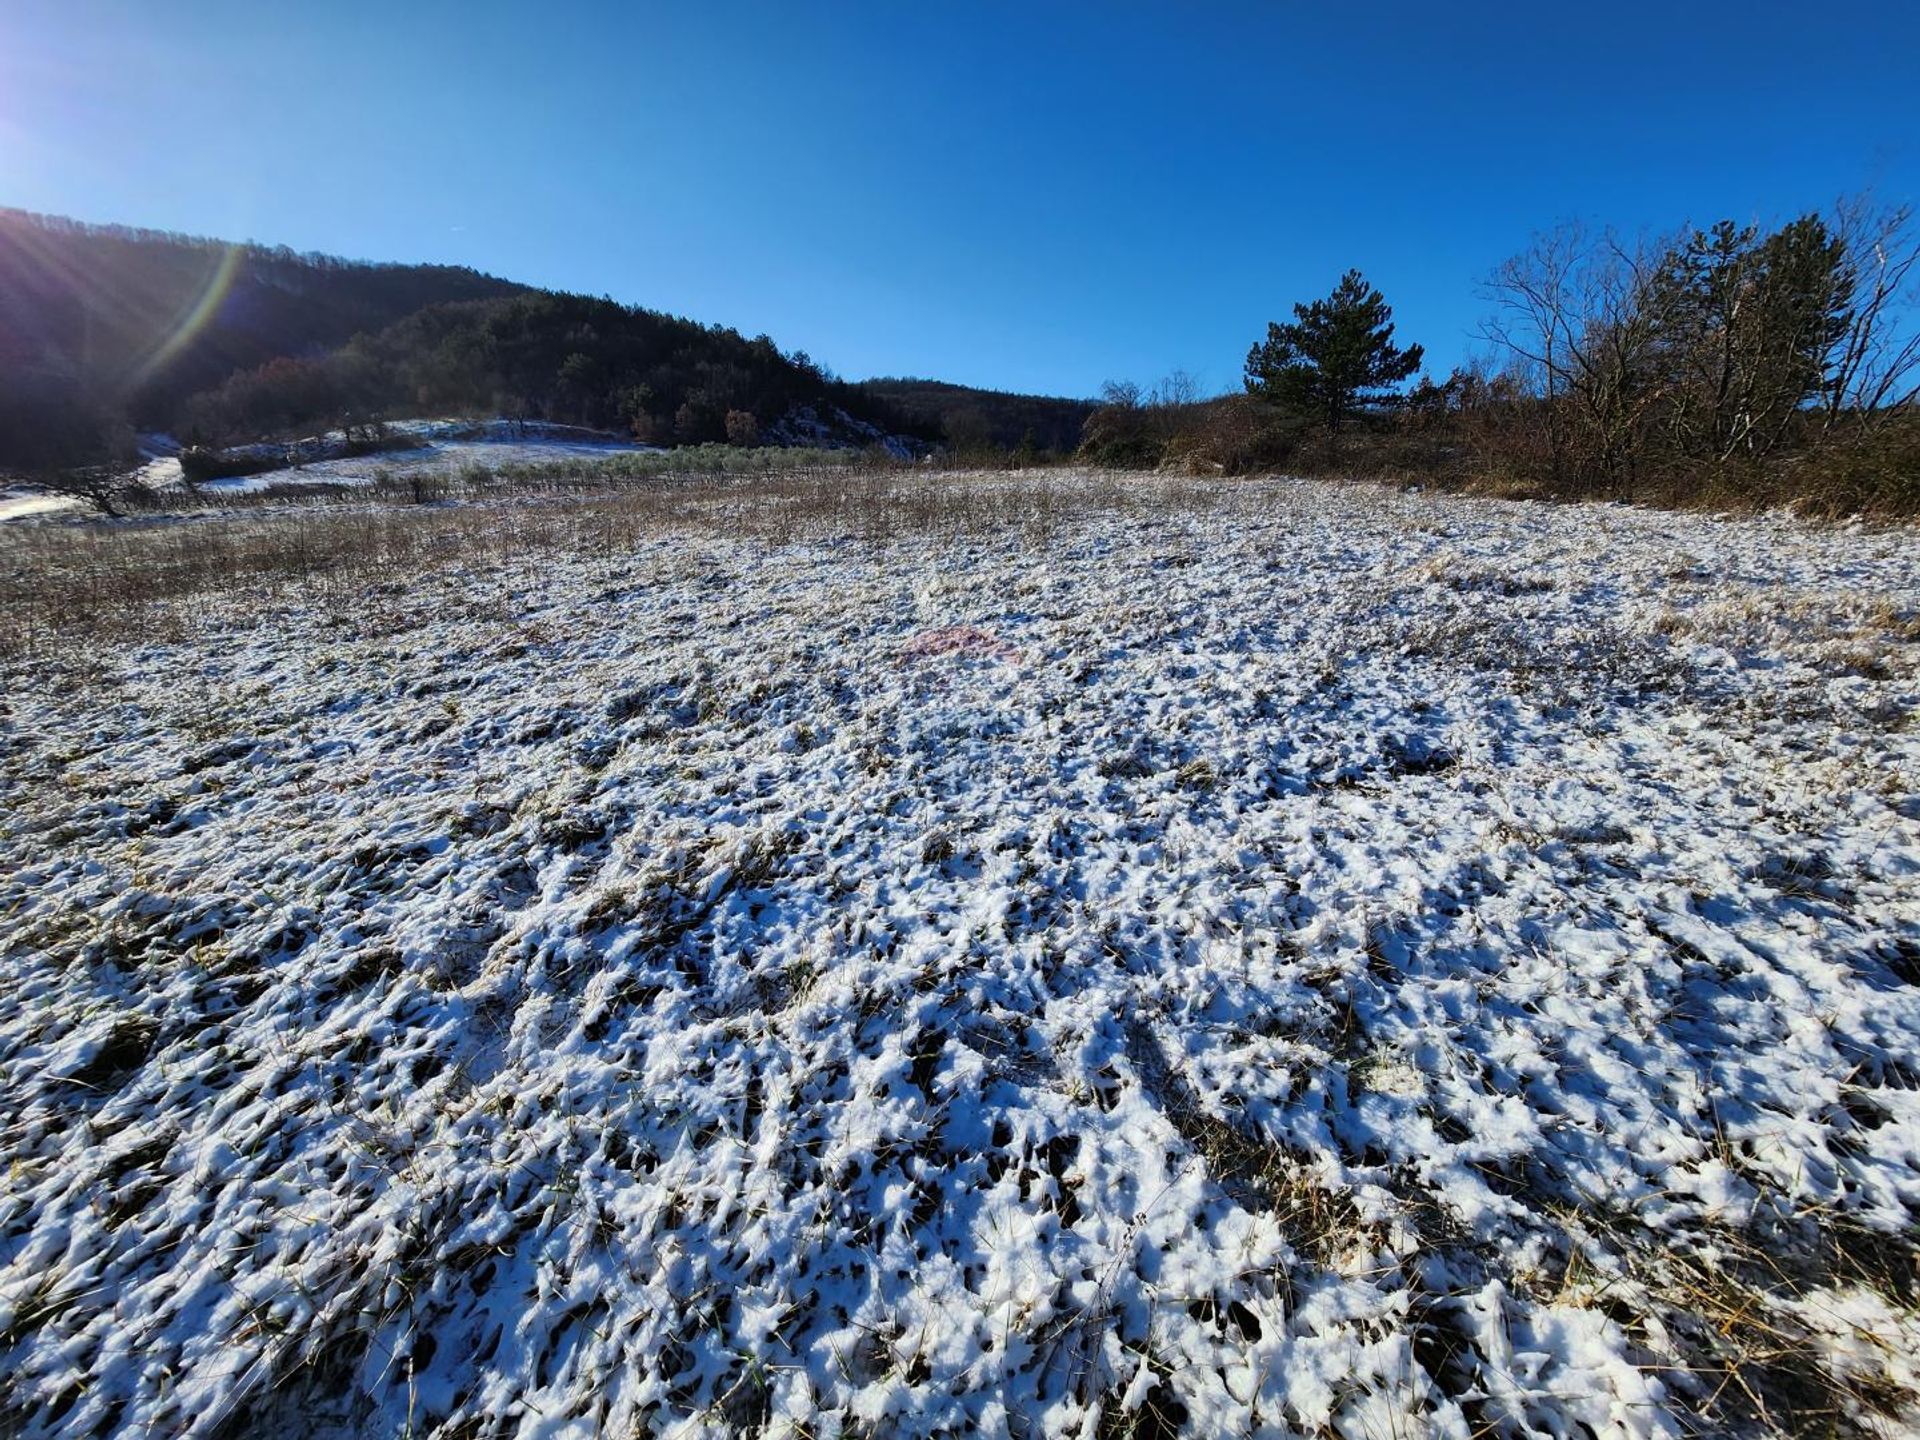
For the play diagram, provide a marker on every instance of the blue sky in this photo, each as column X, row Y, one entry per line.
column 1035, row 196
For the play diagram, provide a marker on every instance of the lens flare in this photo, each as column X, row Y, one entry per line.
column 194, row 318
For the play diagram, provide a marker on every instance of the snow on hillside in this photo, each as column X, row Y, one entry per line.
column 441, row 447
column 807, row 427
column 1291, row 960
column 20, row 503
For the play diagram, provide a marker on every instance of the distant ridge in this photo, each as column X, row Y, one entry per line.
column 972, row 418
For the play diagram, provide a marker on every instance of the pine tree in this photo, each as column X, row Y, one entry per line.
column 1336, row 356
column 1749, row 324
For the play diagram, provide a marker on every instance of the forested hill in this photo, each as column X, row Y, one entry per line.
column 105, row 330
column 566, row 358
column 968, row 418
column 143, row 319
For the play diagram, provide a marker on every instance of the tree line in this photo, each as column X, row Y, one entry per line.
column 567, row 359
column 1735, row 361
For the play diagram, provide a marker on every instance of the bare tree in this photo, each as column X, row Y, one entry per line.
column 1875, row 367
column 104, row 487
column 1575, row 308
column 1178, row 389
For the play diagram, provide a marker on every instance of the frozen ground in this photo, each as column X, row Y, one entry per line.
column 1287, row 960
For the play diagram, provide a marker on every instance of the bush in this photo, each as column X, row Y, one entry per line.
column 743, row 429
column 1120, row 440
column 1867, row 471
column 1236, row 435
column 200, row 463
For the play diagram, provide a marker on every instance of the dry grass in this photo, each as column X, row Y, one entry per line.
column 75, row 582
column 1730, row 1315
column 438, row 593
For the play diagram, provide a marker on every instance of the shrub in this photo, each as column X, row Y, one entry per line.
column 1123, row 436
column 1873, row 471
column 1236, row 435
column 743, row 429
column 200, row 463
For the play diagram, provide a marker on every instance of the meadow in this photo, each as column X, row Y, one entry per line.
column 847, row 952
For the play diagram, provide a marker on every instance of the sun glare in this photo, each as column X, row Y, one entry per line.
column 194, row 318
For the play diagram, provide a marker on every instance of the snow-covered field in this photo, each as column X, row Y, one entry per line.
column 1272, row 959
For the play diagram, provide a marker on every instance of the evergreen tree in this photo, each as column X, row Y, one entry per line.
column 1337, row 355
column 1749, row 324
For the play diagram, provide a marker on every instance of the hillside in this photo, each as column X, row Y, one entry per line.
column 568, row 359
column 138, row 320
column 105, row 330
column 971, row 419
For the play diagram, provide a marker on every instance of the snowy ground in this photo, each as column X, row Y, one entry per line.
column 446, row 447
column 1290, row 960
column 17, row 503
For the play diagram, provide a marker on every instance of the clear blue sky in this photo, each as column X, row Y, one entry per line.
column 1036, row 196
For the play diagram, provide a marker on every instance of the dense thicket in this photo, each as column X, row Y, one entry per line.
column 1712, row 358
